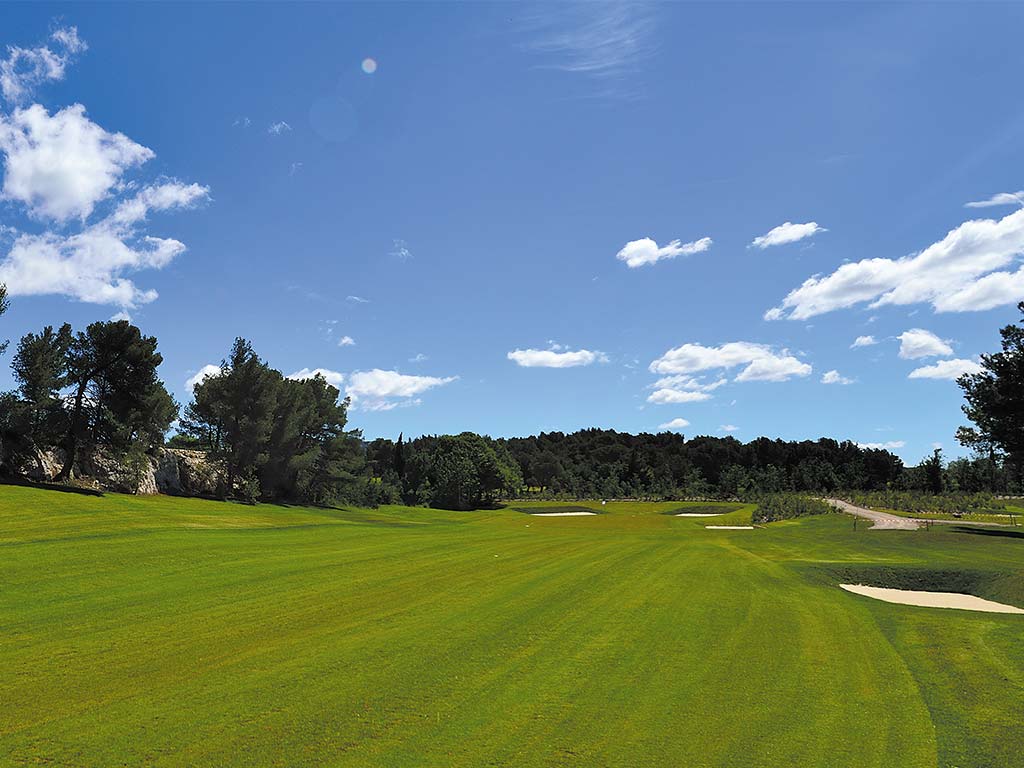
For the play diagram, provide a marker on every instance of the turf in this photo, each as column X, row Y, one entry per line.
column 170, row 632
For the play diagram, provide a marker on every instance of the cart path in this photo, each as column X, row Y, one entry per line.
column 887, row 521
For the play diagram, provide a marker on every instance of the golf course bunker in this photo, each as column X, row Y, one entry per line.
column 565, row 510
column 931, row 599
column 700, row 514
column 729, row 527
column 561, row 514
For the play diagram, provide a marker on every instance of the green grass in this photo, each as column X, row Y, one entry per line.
column 171, row 632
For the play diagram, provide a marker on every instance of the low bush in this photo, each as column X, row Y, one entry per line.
column 785, row 506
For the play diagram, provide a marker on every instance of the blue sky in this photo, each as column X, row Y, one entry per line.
column 532, row 217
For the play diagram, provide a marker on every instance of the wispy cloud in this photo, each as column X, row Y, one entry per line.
column 1000, row 198
column 278, row 128
column 603, row 41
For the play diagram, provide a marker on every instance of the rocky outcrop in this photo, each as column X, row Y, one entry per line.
column 186, row 473
column 167, row 470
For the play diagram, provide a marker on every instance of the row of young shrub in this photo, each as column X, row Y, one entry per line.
column 923, row 503
column 786, row 506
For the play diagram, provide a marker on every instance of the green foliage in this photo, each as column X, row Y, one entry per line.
column 786, row 506
column 463, row 471
column 277, row 438
column 995, row 399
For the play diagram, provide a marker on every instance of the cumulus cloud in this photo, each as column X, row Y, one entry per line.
column 682, row 389
column 346, row 341
column 26, row 68
column 90, row 265
column 207, row 370
column 787, row 233
column 760, row 362
column 917, row 343
column 834, row 377
column 62, row 169
column 1000, row 198
column 334, row 378
column 891, row 445
column 378, row 390
column 960, row 273
column 729, row 428
column 946, row 369
column 552, row 358
column 674, row 424
column 863, row 341
column 60, row 166
column 637, row 253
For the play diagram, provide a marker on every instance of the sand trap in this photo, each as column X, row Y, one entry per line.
column 700, row 514
column 561, row 514
column 729, row 527
column 931, row 599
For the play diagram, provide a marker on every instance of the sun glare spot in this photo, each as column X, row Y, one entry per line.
column 369, row 65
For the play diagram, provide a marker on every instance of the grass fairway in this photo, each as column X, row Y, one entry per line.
column 171, row 632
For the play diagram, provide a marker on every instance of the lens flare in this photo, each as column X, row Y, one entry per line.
column 369, row 65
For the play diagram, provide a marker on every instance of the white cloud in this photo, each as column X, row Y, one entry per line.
column 863, row 341
column 637, row 253
column 551, row 358
column 956, row 274
column 357, row 300
column 676, row 396
column 946, row 369
column 90, row 265
column 207, row 370
column 346, row 341
column 674, row 424
column 787, row 233
column 834, row 377
column 760, row 362
column 26, row 68
column 917, row 343
column 378, row 390
column 729, row 428
column 334, row 378
column 278, row 128
column 1000, row 198
column 419, row 357
column 244, row 122
column 62, row 166
column 892, row 445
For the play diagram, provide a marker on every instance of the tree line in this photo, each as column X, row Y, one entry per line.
column 280, row 439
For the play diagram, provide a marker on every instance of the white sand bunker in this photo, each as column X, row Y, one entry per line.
column 561, row 514
column 931, row 599
column 701, row 514
column 729, row 527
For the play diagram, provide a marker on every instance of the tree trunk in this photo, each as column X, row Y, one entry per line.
column 72, row 444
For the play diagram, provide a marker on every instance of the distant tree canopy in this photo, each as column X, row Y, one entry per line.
column 287, row 440
column 995, row 400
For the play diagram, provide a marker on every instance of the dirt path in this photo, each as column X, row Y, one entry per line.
column 881, row 520
column 887, row 521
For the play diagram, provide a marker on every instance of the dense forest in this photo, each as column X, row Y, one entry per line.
column 277, row 438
